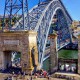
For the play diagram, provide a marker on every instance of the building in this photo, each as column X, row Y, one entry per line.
column 75, row 26
column 7, row 21
column 75, row 30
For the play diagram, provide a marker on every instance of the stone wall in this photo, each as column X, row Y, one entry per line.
column 22, row 41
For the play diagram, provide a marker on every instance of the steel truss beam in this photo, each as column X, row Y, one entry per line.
column 14, row 10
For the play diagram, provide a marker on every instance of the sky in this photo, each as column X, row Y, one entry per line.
column 72, row 6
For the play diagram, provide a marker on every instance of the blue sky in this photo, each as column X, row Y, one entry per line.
column 72, row 6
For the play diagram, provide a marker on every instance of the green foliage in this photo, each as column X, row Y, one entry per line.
column 17, row 56
column 68, row 54
column 46, row 64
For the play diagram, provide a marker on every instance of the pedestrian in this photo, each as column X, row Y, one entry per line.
column 45, row 74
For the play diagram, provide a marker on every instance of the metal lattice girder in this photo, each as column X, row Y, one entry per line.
column 34, row 15
column 44, row 23
column 14, row 10
column 40, row 18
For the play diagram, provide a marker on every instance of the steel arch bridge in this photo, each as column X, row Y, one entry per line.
column 41, row 19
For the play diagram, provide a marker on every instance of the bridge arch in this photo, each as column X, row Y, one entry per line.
column 44, row 23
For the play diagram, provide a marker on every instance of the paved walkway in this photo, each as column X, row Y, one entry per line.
column 4, row 76
column 74, row 76
column 40, row 79
column 69, row 75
